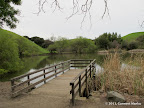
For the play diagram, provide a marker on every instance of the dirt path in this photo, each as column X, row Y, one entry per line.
column 55, row 94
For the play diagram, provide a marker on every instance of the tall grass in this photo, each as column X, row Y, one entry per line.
column 128, row 79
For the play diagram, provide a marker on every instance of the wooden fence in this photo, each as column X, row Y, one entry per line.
column 18, row 87
column 34, row 78
column 80, row 83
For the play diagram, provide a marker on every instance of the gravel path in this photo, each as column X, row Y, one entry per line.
column 55, row 94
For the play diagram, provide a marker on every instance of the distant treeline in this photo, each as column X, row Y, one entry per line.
column 40, row 41
column 108, row 41
column 84, row 45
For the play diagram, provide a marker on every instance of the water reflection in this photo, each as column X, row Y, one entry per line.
column 31, row 64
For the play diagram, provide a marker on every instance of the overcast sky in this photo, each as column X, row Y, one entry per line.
column 125, row 17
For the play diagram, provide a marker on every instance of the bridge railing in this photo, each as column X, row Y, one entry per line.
column 80, row 62
column 18, row 87
column 81, row 81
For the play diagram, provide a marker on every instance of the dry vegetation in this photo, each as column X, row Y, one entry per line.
column 128, row 79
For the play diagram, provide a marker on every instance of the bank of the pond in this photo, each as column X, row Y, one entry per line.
column 26, row 101
column 129, row 79
column 136, row 51
column 120, row 51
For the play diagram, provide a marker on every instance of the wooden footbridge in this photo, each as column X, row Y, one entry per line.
column 60, row 81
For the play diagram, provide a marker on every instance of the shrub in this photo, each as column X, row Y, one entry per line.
column 133, row 45
column 82, row 45
column 9, row 56
column 3, row 71
column 129, row 79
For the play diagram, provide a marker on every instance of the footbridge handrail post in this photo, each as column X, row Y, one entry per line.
column 80, row 86
column 72, row 92
column 42, row 76
column 80, row 83
column 86, row 73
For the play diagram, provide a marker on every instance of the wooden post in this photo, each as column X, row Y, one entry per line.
column 80, row 86
column 94, row 82
column 86, row 84
column 90, row 71
column 12, row 84
column 28, row 79
column 63, row 67
column 69, row 64
column 55, row 72
column 44, row 76
column 73, row 100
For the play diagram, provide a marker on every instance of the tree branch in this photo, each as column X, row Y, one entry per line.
column 84, row 8
column 106, row 9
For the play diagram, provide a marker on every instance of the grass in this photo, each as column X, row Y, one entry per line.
column 12, row 48
column 127, row 79
column 27, row 47
column 132, row 37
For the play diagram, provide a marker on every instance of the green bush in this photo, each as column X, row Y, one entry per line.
column 12, row 48
column 78, row 45
column 3, row 71
column 133, row 45
column 9, row 56
column 82, row 45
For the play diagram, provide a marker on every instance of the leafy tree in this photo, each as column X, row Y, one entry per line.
column 9, row 56
column 8, row 13
column 47, row 43
column 39, row 41
column 102, row 42
column 60, row 45
column 133, row 45
column 78, row 45
column 52, row 48
column 140, row 38
column 115, row 44
column 140, row 41
column 124, row 45
column 108, row 40
column 27, row 37
column 22, row 46
column 82, row 45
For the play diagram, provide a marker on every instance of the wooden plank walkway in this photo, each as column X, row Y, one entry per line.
column 53, row 94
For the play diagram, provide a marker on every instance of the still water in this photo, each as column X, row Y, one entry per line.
column 31, row 64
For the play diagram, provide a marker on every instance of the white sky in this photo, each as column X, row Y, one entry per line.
column 125, row 18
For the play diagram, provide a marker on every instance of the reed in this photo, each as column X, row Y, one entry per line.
column 128, row 79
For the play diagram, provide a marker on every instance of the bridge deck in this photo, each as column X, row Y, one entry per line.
column 53, row 94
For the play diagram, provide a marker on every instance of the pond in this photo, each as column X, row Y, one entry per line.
column 31, row 64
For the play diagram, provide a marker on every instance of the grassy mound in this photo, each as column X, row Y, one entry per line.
column 12, row 47
column 132, row 37
column 25, row 46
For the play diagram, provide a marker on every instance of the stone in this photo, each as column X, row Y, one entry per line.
column 115, row 97
column 101, row 91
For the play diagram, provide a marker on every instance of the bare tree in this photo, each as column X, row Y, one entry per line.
column 79, row 6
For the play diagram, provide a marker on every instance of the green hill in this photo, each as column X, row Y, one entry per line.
column 132, row 36
column 12, row 48
column 25, row 46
